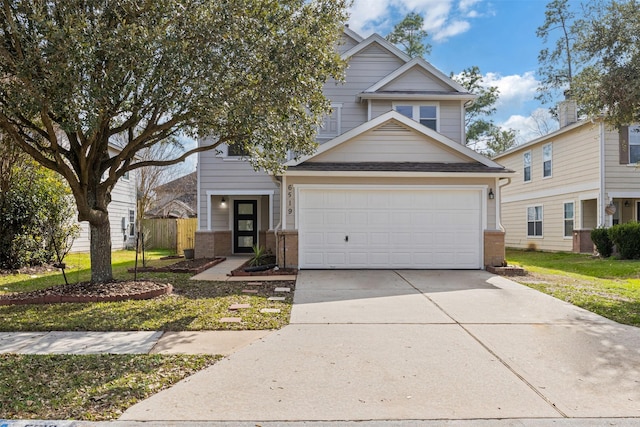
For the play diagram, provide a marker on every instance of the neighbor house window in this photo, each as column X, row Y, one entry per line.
column 426, row 114
column 331, row 123
column 527, row 166
column 634, row 144
column 534, row 221
column 568, row 219
column 125, row 176
column 132, row 222
column 547, row 154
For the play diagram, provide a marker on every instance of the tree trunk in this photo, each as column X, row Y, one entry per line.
column 101, row 270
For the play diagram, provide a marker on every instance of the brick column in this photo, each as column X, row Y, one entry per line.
column 494, row 253
column 287, row 256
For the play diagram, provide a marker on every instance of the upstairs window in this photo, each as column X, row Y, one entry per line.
column 237, row 150
column 426, row 114
column 526, row 159
column 534, row 221
column 331, row 123
column 547, row 154
column 634, row 144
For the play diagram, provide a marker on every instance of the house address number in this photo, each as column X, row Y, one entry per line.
column 290, row 199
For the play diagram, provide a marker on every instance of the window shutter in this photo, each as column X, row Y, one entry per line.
column 624, row 145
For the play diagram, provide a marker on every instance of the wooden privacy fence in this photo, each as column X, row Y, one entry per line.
column 170, row 233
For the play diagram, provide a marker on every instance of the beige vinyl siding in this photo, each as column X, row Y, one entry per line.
column 575, row 163
column 220, row 174
column 390, row 143
column 365, row 69
column 514, row 221
column 618, row 178
column 336, row 180
column 416, row 79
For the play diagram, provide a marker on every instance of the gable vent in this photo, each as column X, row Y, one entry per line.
column 391, row 127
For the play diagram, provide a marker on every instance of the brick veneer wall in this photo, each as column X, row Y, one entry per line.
column 288, row 249
column 212, row 243
column 494, row 254
column 582, row 242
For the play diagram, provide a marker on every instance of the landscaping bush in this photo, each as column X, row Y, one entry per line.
column 600, row 238
column 626, row 237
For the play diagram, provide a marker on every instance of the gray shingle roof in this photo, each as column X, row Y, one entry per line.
column 397, row 167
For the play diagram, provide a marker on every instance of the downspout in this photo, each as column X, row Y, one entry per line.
column 278, row 181
column 601, row 204
column 501, row 183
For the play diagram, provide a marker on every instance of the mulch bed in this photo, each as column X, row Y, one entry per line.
column 193, row 266
column 89, row 292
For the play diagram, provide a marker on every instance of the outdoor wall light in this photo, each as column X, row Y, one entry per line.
column 626, row 203
column 223, row 202
column 491, row 195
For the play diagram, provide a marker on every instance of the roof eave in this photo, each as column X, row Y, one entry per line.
column 396, row 174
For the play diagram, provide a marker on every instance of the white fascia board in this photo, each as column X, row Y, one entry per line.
column 376, row 38
column 418, row 62
column 410, row 123
column 395, row 174
column 418, row 96
column 349, row 32
column 544, row 138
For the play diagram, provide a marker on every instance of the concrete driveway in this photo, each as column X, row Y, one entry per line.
column 418, row 345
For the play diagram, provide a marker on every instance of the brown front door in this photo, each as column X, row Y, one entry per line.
column 245, row 225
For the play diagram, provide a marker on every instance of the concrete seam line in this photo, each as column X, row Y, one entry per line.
column 506, row 365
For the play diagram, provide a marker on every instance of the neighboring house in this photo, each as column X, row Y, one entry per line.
column 122, row 215
column 176, row 199
column 575, row 179
column 392, row 184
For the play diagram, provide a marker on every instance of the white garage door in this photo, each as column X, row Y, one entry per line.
column 390, row 228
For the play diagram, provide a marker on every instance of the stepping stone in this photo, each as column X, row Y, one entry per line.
column 239, row 306
column 282, row 290
column 230, row 320
column 276, row 299
column 249, row 291
column 255, row 283
column 270, row 310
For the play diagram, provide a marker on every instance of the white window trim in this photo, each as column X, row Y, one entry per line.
column 541, row 221
column 633, row 164
column 224, row 153
column 564, row 236
column 337, row 108
column 416, row 110
column 530, row 167
column 550, row 145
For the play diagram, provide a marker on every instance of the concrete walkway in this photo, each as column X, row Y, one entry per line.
column 219, row 273
column 419, row 345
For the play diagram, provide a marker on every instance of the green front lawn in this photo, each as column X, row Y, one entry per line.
column 608, row 287
column 194, row 305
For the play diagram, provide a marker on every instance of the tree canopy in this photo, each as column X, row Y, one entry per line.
column 608, row 43
column 409, row 33
column 78, row 73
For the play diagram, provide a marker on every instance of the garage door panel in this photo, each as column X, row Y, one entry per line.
column 388, row 228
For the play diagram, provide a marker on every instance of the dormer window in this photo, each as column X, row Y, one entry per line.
column 426, row 114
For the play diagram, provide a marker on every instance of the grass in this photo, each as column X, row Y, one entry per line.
column 87, row 387
column 608, row 287
column 193, row 306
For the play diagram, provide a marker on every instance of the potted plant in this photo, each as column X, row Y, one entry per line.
column 189, row 252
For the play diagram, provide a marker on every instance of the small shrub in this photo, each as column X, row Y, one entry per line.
column 626, row 237
column 600, row 238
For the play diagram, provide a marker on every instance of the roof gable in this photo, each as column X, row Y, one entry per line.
column 443, row 148
column 376, row 39
column 427, row 77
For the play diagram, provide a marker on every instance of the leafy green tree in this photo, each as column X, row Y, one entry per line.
column 78, row 73
column 409, row 34
column 480, row 129
column 556, row 64
column 610, row 83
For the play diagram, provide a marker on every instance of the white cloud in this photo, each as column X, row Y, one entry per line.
column 514, row 89
column 539, row 123
column 443, row 19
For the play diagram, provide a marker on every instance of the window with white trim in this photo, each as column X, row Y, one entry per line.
column 426, row 114
column 331, row 125
column 634, row 144
column 534, row 221
column 569, row 216
column 237, row 150
column 132, row 222
column 526, row 160
column 547, row 155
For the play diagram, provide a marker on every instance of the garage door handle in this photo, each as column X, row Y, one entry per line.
column 346, row 238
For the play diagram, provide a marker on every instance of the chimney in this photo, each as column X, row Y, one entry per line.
column 567, row 110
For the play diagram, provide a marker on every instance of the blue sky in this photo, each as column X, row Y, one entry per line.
column 499, row 36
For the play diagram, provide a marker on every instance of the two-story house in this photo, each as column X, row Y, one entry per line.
column 391, row 185
column 580, row 177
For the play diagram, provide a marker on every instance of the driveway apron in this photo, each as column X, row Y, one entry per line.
column 417, row 345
